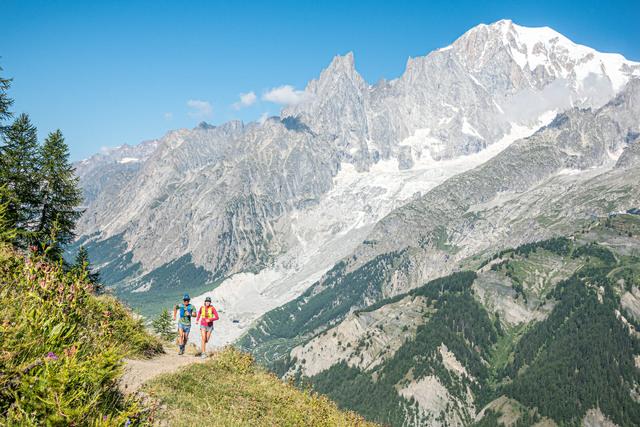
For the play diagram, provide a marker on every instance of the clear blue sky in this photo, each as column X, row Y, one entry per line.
column 108, row 73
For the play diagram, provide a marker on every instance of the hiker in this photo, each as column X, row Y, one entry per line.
column 184, row 323
column 206, row 316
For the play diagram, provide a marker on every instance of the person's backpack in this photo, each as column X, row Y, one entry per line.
column 207, row 312
column 188, row 309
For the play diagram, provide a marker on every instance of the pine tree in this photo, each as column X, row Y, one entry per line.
column 7, row 232
column 19, row 174
column 61, row 195
column 5, row 101
column 83, row 266
column 163, row 325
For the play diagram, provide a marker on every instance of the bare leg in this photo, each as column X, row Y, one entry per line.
column 203, row 336
column 180, row 336
column 181, row 340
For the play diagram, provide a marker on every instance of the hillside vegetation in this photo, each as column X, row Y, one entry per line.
column 231, row 390
column 545, row 332
column 61, row 347
column 61, row 357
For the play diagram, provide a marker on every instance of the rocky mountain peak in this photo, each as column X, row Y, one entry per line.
column 544, row 53
column 338, row 77
column 341, row 64
column 205, row 125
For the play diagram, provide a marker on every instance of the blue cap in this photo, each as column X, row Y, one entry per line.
column 186, row 297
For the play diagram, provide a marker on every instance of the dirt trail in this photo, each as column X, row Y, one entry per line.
column 138, row 372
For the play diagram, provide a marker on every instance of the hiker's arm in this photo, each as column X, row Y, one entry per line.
column 175, row 310
column 199, row 312
column 215, row 314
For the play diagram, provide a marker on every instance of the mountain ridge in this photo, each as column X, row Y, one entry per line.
column 272, row 206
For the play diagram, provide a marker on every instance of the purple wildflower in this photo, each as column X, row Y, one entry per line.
column 51, row 355
column 127, row 423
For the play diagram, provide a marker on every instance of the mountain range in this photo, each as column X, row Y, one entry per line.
column 323, row 230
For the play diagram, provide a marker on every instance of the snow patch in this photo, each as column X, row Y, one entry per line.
column 542, row 46
column 129, row 160
column 469, row 130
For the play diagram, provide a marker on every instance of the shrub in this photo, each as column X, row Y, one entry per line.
column 61, row 348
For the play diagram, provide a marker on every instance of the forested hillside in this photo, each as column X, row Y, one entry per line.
column 543, row 332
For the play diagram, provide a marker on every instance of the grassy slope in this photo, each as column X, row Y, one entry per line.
column 61, row 348
column 232, row 390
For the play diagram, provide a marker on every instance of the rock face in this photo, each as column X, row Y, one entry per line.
column 212, row 193
column 462, row 98
column 105, row 173
column 548, row 184
column 574, row 147
column 281, row 202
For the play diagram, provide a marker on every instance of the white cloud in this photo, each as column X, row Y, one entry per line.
column 286, row 95
column 168, row 115
column 263, row 118
column 200, row 109
column 246, row 99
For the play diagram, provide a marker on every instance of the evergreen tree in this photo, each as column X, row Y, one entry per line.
column 61, row 195
column 7, row 232
column 163, row 325
column 19, row 174
column 5, row 101
column 82, row 264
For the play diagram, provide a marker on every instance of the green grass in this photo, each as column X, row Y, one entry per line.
column 502, row 351
column 231, row 390
column 61, row 348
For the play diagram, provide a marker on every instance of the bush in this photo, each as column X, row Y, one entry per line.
column 61, row 348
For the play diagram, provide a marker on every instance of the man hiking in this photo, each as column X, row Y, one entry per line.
column 206, row 316
column 184, row 323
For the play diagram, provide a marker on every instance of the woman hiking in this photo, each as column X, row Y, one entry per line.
column 184, row 323
column 206, row 316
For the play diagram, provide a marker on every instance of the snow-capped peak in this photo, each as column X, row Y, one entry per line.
column 533, row 47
